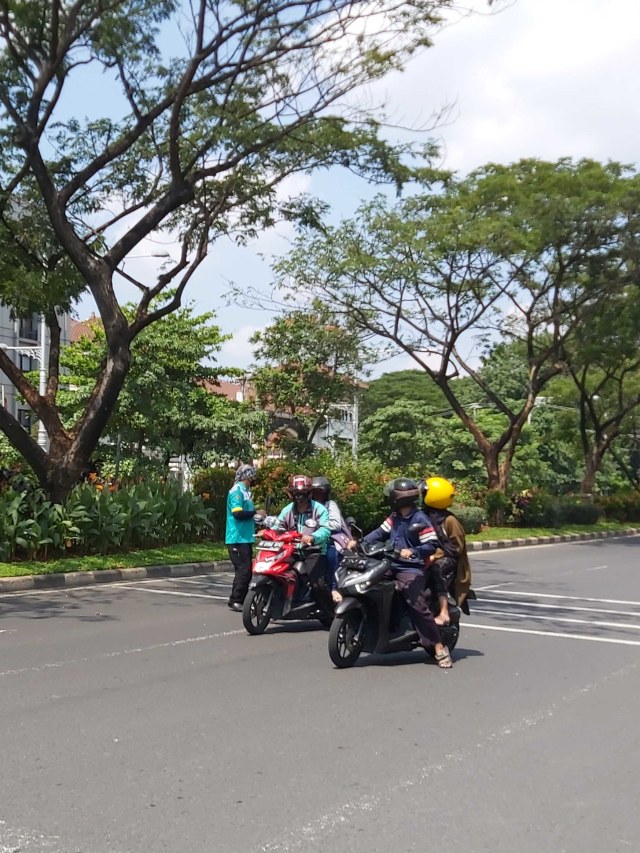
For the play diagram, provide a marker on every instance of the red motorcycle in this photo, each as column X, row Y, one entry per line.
column 280, row 588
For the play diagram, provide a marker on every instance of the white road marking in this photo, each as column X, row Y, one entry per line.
column 596, row 568
column 511, row 615
column 175, row 592
column 492, row 586
column 201, row 580
column 552, row 634
column 316, row 832
column 90, row 587
column 556, row 606
column 570, row 597
column 107, row 655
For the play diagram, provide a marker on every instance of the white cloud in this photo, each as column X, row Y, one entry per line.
column 238, row 351
column 542, row 78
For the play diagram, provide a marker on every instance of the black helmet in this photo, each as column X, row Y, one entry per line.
column 321, row 484
column 403, row 491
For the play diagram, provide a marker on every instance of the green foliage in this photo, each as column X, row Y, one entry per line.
column 96, row 520
column 311, row 363
column 497, row 505
column 622, row 507
column 215, row 110
column 213, row 484
column 472, row 518
column 168, row 401
column 543, row 510
column 357, row 486
column 411, row 385
column 491, row 255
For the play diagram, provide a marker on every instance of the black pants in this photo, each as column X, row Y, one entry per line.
column 411, row 586
column 241, row 556
column 436, row 583
column 316, row 569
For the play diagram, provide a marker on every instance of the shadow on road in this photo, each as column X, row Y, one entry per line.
column 88, row 608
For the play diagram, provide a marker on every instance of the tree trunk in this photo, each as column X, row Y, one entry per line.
column 70, row 450
column 592, row 462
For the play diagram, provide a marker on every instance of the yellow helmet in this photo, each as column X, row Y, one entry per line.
column 439, row 493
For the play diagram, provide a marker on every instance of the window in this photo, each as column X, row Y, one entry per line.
column 24, row 418
column 29, row 328
column 26, row 363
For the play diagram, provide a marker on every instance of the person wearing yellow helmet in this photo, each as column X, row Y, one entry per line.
column 449, row 571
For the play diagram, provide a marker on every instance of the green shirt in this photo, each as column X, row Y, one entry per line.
column 239, row 530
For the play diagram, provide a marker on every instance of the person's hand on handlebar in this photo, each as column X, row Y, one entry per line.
column 351, row 546
column 407, row 554
column 307, row 540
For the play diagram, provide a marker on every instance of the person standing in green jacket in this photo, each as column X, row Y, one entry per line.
column 240, row 531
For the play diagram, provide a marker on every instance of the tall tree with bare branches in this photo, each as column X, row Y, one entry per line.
column 122, row 120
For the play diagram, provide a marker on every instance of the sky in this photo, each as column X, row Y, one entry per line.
column 537, row 78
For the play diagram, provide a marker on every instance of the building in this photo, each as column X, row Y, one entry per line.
column 339, row 430
column 21, row 339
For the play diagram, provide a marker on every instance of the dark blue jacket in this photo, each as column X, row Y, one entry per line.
column 396, row 529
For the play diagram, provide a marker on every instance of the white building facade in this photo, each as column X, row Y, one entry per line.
column 22, row 341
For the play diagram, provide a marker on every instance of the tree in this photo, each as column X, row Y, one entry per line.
column 311, row 366
column 412, row 385
column 195, row 146
column 603, row 361
column 167, row 402
column 510, row 253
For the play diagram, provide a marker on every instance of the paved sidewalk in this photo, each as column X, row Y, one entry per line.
column 76, row 579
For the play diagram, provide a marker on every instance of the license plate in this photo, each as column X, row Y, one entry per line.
column 269, row 546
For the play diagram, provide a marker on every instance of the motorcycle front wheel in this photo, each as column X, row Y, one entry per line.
column 344, row 638
column 254, row 618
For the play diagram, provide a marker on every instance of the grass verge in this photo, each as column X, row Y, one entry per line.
column 197, row 552
column 203, row 552
column 525, row 532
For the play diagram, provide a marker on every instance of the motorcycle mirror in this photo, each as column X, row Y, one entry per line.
column 416, row 527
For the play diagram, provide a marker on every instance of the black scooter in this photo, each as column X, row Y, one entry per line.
column 372, row 616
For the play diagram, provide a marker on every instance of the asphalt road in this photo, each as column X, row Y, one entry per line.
column 140, row 718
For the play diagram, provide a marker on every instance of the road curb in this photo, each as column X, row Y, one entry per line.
column 69, row 580
column 493, row 544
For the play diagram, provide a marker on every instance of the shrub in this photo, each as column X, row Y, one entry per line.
column 624, row 506
column 97, row 520
column 212, row 485
column 575, row 511
column 471, row 517
column 357, row 485
column 498, row 505
column 542, row 511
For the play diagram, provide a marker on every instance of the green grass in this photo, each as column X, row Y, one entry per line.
column 523, row 532
column 198, row 552
column 203, row 552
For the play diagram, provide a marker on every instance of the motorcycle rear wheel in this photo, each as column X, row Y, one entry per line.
column 344, row 650
column 254, row 619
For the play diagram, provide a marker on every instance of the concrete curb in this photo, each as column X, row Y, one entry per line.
column 492, row 544
column 66, row 580
column 70, row 580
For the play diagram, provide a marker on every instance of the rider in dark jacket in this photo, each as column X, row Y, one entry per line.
column 411, row 546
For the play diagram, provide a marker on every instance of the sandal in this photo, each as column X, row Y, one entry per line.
column 443, row 659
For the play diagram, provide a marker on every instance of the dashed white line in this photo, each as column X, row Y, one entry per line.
column 556, row 607
column 595, row 623
column 106, row 655
column 570, row 597
column 175, row 592
column 552, row 634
